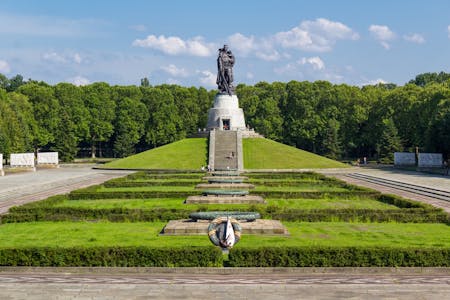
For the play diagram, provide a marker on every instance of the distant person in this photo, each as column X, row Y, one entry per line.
column 365, row 160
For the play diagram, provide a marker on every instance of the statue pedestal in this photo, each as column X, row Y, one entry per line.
column 226, row 114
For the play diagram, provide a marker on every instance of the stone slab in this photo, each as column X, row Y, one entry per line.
column 247, row 199
column 258, row 227
column 19, row 160
column 225, row 177
column 404, row 159
column 427, row 160
column 47, row 158
column 225, row 186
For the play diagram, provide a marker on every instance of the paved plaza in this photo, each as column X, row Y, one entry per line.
column 240, row 283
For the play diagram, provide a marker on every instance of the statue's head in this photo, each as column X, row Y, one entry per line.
column 225, row 47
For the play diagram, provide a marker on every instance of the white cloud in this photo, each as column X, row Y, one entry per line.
column 319, row 35
column 79, row 80
column 175, row 71
column 383, row 34
column 242, row 44
column 374, row 82
column 77, row 58
column 4, row 67
column 58, row 58
column 315, row 62
column 173, row 81
column 249, row 75
column 174, row 45
column 139, row 27
column 208, row 78
column 54, row 57
column 272, row 56
column 414, row 38
column 448, row 29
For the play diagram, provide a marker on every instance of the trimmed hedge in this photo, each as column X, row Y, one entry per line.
column 50, row 213
column 338, row 257
column 87, row 195
column 112, row 257
column 128, row 183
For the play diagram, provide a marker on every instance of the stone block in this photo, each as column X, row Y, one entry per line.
column 225, row 186
column 430, row 160
column 247, row 199
column 22, row 160
column 47, row 158
column 259, row 227
column 404, row 159
column 2, row 173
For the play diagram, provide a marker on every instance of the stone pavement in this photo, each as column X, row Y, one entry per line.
column 439, row 182
column 20, row 188
column 226, row 283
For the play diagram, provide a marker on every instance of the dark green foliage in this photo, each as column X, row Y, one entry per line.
column 338, row 257
column 112, row 257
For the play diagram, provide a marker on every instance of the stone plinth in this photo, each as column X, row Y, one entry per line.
column 247, row 199
column 226, row 113
column 48, row 159
column 212, row 178
column 189, row 227
column 2, row 173
column 225, row 186
column 22, row 160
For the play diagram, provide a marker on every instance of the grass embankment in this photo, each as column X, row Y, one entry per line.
column 267, row 154
column 335, row 234
column 187, row 154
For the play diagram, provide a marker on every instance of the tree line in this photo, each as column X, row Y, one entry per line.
column 336, row 120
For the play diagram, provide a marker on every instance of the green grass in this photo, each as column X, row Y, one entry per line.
column 267, row 154
column 177, row 203
column 155, row 188
column 187, row 154
column 85, row 234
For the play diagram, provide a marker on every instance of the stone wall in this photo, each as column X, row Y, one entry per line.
column 404, row 159
column 47, row 158
column 2, row 173
column 430, row 160
column 21, row 160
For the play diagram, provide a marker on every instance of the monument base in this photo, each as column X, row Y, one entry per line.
column 247, row 199
column 226, row 114
column 259, row 226
column 225, row 186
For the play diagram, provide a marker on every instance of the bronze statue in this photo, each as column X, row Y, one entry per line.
column 225, row 63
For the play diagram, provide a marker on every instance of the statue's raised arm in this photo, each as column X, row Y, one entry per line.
column 225, row 63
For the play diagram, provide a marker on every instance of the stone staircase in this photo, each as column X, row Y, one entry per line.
column 226, row 150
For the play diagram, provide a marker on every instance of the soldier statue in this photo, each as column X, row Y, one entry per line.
column 225, row 63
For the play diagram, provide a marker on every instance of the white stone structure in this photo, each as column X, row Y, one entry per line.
column 430, row 160
column 47, row 158
column 226, row 114
column 22, row 160
column 404, row 159
column 2, row 173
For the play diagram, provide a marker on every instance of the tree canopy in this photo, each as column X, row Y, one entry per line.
column 335, row 120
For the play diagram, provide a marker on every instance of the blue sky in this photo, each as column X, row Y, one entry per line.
column 120, row 42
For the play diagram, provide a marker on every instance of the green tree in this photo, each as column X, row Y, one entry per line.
column 101, row 106
column 389, row 141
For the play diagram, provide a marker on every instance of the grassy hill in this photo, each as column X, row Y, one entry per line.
column 267, row 154
column 184, row 154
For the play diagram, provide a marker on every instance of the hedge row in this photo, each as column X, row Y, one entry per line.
column 147, row 175
column 128, row 183
column 112, row 257
column 49, row 213
column 338, row 257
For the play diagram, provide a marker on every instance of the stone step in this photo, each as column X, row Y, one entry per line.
column 225, row 186
column 247, row 199
column 260, row 227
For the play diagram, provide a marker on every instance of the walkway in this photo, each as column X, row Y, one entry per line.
column 222, row 283
column 20, row 188
column 438, row 182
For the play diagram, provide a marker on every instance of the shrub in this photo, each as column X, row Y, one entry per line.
column 338, row 257
column 112, row 257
